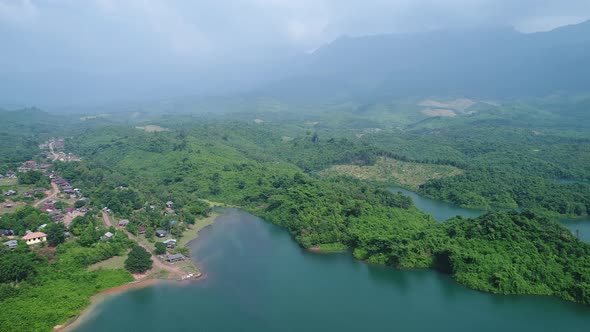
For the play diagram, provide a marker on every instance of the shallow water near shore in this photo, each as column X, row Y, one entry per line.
column 258, row 279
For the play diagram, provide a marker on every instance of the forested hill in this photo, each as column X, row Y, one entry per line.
column 486, row 63
column 501, row 252
column 21, row 131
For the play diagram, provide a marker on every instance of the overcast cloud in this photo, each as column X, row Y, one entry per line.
column 190, row 32
column 112, row 36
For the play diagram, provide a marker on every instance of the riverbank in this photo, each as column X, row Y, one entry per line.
column 259, row 276
column 160, row 273
column 100, row 298
column 329, row 248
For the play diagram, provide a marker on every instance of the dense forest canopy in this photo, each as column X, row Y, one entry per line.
column 490, row 119
column 251, row 166
column 273, row 164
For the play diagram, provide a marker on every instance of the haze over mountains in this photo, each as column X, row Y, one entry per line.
column 479, row 63
column 494, row 63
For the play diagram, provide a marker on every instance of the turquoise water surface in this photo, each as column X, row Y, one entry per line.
column 259, row 279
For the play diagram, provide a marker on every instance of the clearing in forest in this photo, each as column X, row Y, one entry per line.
column 152, row 128
column 407, row 174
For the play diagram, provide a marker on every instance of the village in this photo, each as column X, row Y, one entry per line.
column 63, row 203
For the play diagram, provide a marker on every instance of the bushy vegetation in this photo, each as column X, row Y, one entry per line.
column 273, row 170
column 23, row 219
column 53, row 285
column 380, row 227
column 512, row 253
column 139, row 260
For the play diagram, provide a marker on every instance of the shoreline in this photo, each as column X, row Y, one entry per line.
column 147, row 281
column 99, row 298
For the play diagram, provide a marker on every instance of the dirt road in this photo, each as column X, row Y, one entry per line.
column 53, row 154
column 174, row 270
column 54, row 192
column 107, row 219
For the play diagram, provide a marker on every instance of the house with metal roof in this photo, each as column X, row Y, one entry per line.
column 175, row 258
column 11, row 244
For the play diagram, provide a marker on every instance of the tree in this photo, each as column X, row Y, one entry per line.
column 149, row 233
column 55, row 234
column 160, row 248
column 59, row 205
column 88, row 236
column 80, row 203
column 29, row 177
column 139, row 260
column 16, row 267
column 132, row 228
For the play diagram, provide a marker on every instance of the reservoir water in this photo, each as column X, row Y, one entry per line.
column 442, row 211
column 258, row 279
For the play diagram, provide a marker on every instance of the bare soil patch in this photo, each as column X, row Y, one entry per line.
column 406, row 174
column 460, row 104
column 439, row 112
column 152, row 128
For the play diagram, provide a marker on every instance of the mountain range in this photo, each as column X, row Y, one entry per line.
column 483, row 63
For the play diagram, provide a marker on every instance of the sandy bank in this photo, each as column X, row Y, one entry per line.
column 99, row 298
column 144, row 280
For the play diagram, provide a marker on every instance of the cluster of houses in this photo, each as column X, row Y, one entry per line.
column 30, row 238
column 28, row 194
column 65, row 186
column 58, row 143
column 8, row 175
column 31, row 193
column 67, row 157
column 58, row 215
column 58, row 146
column 31, row 165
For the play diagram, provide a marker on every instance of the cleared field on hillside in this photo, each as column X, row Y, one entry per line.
column 406, row 174
column 152, row 128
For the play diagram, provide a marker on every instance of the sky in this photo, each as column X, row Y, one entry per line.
column 115, row 38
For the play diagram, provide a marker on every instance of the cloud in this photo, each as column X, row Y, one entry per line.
column 110, row 39
column 211, row 28
column 18, row 12
column 171, row 29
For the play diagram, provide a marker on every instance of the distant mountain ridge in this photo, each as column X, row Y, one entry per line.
column 493, row 63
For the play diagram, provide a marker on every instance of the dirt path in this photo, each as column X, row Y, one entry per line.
column 107, row 219
column 55, row 155
column 54, row 187
column 54, row 192
column 174, row 270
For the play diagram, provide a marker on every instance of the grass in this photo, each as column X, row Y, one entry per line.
column 8, row 182
column 113, row 263
column 193, row 232
column 187, row 266
column 4, row 209
column 333, row 247
column 406, row 174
